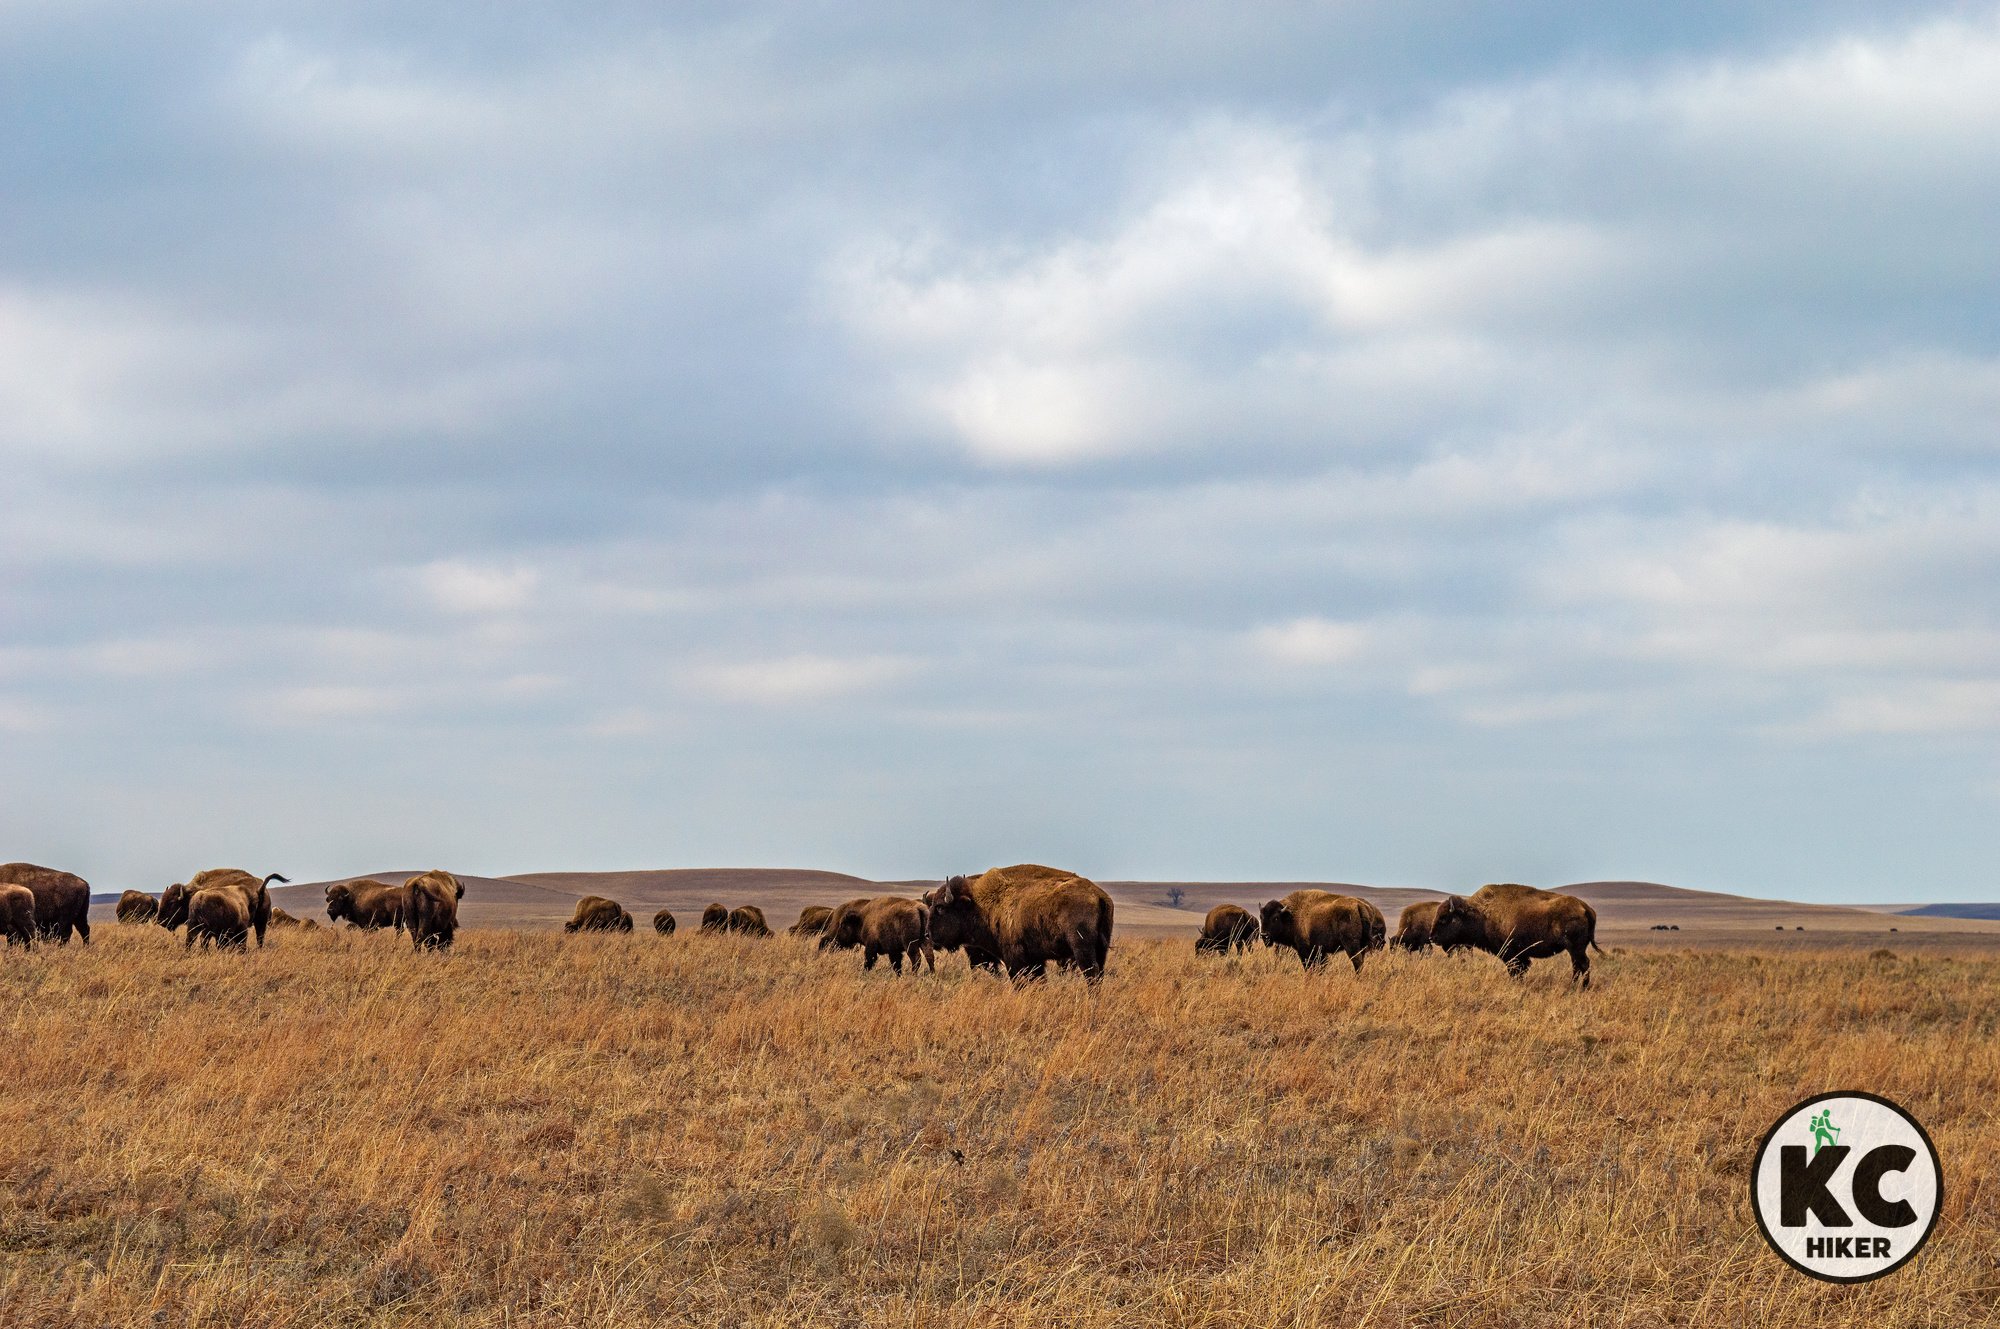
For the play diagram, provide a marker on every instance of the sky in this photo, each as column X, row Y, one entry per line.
column 1416, row 444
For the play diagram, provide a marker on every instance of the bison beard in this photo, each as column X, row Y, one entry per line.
column 1024, row 918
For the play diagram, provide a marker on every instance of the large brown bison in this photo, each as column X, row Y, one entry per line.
column 17, row 915
column 137, row 907
column 887, row 925
column 1023, row 918
column 663, row 922
column 62, row 900
column 220, row 906
column 1228, row 927
column 430, row 909
column 594, row 913
column 1317, row 924
column 366, row 903
column 1413, row 926
column 715, row 918
column 1519, row 924
column 812, row 921
column 748, row 919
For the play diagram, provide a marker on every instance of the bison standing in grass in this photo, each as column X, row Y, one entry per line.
column 1519, row 924
column 366, row 904
column 221, row 907
column 812, row 921
column 887, row 925
column 1317, row 924
column 1023, row 918
column 663, row 922
column 715, row 918
column 748, row 919
column 1228, row 927
column 1413, row 926
column 17, row 915
column 62, row 900
column 430, row 909
column 137, row 907
column 594, row 913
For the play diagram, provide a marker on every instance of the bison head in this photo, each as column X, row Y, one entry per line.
column 1457, row 923
column 340, row 901
column 1280, row 928
column 173, row 906
column 952, row 910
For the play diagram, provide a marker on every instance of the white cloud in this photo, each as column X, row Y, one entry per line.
column 796, row 679
column 459, row 587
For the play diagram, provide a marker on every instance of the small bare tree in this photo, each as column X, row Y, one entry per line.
column 1174, row 897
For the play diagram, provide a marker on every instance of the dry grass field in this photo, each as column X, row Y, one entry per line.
column 540, row 1130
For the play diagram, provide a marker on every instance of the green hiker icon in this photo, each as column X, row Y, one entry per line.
column 1824, row 1131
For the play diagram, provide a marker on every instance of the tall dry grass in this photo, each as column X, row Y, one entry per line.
column 547, row 1130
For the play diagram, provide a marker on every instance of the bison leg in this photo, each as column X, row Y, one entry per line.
column 930, row 958
column 1579, row 960
column 868, row 957
column 896, row 960
column 1357, row 957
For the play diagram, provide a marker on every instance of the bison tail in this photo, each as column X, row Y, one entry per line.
column 277, row 876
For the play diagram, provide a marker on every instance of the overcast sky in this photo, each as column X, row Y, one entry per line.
column 1411, row 443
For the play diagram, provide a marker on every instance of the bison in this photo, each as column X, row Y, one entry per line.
column 812, row 921
column 663, row 922
column 366, row 904
column 62, row 900
column 17, row 915
column 748, row 919
column 1023, row 919
column 886, row 925
column 430, row 909
column 1316, row 924
column 1518, row 924
column 281, row 919
column 1228, row 927
column 137, row 907
column 715, row 918
column 594, row 913
column 1413, row 926
column 221, row 906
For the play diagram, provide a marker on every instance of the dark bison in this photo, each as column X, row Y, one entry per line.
column 1413, row 926
column 1228, row 927
column 17, row 915
column 1317, row 924
column 594, row 913
column 1023, row 919
column 1519, row 924
column 62, row 900
column 812, row 921
column 366, row 904
column 748, row 919
column 886, row 925
column 221, row 907
column 430, row 909
column 137, row 907
column 663, row 922
column 715, row 918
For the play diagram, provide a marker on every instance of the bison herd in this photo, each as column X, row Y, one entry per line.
column 1017, row 920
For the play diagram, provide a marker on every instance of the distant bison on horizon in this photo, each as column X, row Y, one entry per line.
column 663, row 922
column 62, row 900
column 1414, row 924
column 1518, row 924
column 1023, row 919
column 595, row 913
column 887, row 925
column 430, row 909
column 17, row 915
column 137, row 907
column 1228, row 927
column 1318, row 924
column 366, row 904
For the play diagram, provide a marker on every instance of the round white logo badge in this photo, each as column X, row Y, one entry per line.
column 1847, row 1187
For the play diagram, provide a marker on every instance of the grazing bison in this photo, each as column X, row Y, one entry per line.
column 137, row 907
column 17, row 915
column 594, row 913
column 1023, row 918
column 366, row 904
column 221, row 906
column 1413, row 926
column 663, row 922
column 1519, row 924
column 62, row 900
column 1228, row 927
column 281, row 919
column 748, row 919
column 715, row 918
column 430, row 909
column 812, row 921
column 1316, row 924
column 886, row 925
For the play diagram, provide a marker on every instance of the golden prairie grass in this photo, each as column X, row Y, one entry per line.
column 635, row 1130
